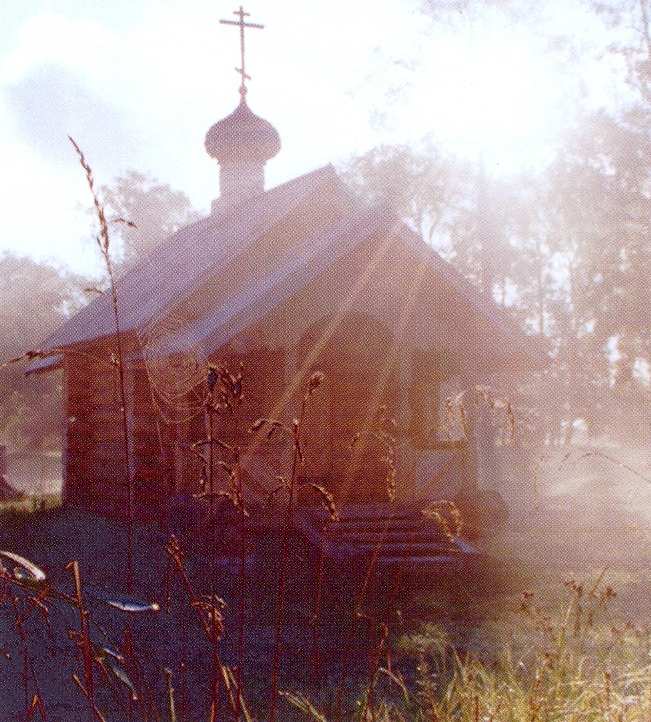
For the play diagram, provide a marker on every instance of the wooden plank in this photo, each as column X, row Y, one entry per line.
column 93, row 406
column 102, row 449
column 92, row 398
column 105, row 416
column 448, row 561
column 400, row 550
column 102, row 473
column 92, row 382
column 405, row 537
column 110, row 452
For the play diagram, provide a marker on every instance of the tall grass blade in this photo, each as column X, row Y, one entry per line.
column 171, row 704
column 121, row 675
column 125, row 603
column 26, row 571
column 302, row 703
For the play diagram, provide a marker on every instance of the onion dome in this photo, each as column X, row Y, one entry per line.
column 242, row 136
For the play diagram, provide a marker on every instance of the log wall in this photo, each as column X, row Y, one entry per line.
column 95, row 475
column 95, row 462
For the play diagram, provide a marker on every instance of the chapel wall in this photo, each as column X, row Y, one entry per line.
column 94, row 474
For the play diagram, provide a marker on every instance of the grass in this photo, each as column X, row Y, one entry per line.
column 570, row 651
column 30, row 504
column 322, row 643
column 561, row 652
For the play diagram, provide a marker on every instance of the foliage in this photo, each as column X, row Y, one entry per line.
column 567, row 663
column 155, row 211
column 34, row 299
column 418, row 185
column 567, row 253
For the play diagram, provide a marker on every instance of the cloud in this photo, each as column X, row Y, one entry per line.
column 51, row 103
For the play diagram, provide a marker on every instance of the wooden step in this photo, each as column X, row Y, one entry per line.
column 402, row 550
column 377, row 524
column 374, row 513
column 395, row 534
column 443, row 560
column 431, row 537
column 374, row 528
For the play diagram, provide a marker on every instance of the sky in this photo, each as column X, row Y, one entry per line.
column 139, row 82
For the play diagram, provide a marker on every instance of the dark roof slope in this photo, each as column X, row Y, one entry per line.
column 180, row 262
column 252, row 302
column 190, row 257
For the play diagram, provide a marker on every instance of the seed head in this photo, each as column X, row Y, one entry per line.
column 316, row 379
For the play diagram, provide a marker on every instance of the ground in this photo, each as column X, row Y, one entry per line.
column 591, row 522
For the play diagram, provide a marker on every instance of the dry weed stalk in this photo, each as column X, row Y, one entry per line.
column 85, row 645
column 209, row 611
column 382, row 431
column 117, row 360
column 224, row 394
column 448, row 517
column 316, row 615
column 368, row 709
column 291, row 487
column 171, row 701
column 35, row 702
column 103, row 240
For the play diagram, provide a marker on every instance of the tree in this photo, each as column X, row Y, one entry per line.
column 604, row 194
column 631, row 19
column 421, row 186
column 34, row 299
column 480, row 232
column 155, row 210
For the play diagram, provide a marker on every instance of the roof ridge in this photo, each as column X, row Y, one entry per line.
column 327, row 169
column 287, row 195
column 318, row 245
column 210, row 219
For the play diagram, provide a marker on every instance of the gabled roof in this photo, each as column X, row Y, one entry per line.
column 319, row 252
column 189, row 258
column 180, row 262
column 521, row 345
column 252, row 302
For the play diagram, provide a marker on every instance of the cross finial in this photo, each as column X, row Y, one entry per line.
column 241, row 14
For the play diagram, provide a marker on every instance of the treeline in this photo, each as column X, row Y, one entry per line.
column 567, row 251
column 35, row 298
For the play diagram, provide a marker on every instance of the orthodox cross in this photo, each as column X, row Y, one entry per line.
column 241, row 14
